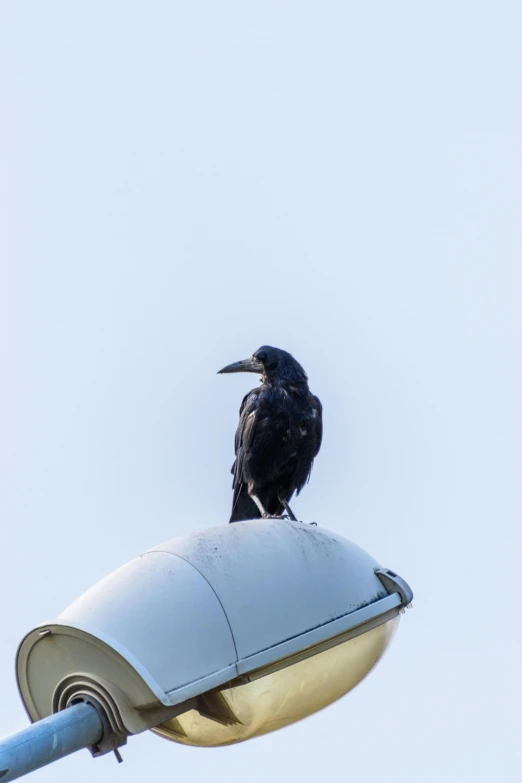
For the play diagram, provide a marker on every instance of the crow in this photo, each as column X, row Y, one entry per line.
column 278, row 436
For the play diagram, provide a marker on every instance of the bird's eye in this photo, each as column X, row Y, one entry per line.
column 261, row 356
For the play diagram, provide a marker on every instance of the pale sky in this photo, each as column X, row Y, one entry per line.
column 182, row 183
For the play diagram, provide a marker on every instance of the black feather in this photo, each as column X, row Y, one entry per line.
column 244, row 507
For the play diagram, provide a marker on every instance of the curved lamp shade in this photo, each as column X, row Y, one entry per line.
column 243, row 710
column 219, row 636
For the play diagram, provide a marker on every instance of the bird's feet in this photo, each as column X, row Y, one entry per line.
column 275, row 516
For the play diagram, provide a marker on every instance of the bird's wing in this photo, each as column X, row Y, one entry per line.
column 243, row 507
column 305, row 468
column 244, row 434
column 245, row 426
column 318, row 419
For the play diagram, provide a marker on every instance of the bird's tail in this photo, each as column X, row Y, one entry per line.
column 244, row 507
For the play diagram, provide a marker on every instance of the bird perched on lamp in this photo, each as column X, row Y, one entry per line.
column 278, row 436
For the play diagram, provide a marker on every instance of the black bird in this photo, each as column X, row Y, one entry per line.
column 278, row 436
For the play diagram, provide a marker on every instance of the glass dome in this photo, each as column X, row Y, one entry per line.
column 282, row 693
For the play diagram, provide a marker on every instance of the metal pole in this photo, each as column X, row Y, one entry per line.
column 50, row 739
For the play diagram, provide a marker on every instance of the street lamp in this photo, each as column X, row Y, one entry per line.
column 210, row 639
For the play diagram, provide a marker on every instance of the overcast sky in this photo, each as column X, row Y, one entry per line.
column 183, row 182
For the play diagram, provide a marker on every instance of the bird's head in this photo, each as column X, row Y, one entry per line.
column 274, row 364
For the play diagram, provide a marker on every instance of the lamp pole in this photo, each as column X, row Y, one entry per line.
column 79, row 726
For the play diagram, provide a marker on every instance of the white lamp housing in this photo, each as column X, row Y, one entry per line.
column 218, row 636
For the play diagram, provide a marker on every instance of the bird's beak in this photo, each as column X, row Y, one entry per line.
column 247, row 365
